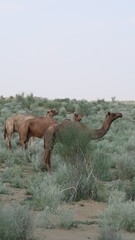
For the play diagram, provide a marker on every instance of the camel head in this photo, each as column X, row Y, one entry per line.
column 52, row 112
column 112, row 116
column 77, row 117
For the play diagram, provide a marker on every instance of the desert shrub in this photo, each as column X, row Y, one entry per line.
column 37, row 162
column 15, row 223
column 17, row 157
column 78, row 182
column 5, row 112
column 68, row 183
column 62, row 111
column 73, row 143
column 35, row 155
column 99, row 191
column 107, row 233
column 71, row 106
column 45, row 193
column 20, row 97
column 4, row 155
column 85, row 107
column 22, row 157
column 101, row 165
column 126, row 166
column 14, row 176
column 62, row 218
column 10, row 173
column 130, row 145
column 18, row 182
column 71, row 180
column 129, row 188
column 53, row 104
column 4, row 189
column 85, row 167
column 29, row 100
column 120, row 214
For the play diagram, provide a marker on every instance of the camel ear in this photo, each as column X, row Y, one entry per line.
column 75, row 114
column 109, row 113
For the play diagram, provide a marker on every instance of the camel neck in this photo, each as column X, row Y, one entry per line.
column 98, row 133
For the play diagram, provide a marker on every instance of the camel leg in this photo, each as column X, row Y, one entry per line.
column 27, row 140
column 21, row 139
column 26, row 144
column 9, row 141
column 47, row 159
column 48, row 146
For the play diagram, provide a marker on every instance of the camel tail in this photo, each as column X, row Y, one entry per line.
column 5, row 132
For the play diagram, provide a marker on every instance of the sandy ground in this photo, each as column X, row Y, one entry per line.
column 85, row 211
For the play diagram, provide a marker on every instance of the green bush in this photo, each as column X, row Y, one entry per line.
column 120, row 214
column 15, row 223
column 101, row 165
column 4, row 189
column 107, row 233
column 73, row 144
column 62, row 111
column 45, row 192
column 126, row 166
column 14, row 176
column 4, row 155
column 129, row 189
column 62, row 218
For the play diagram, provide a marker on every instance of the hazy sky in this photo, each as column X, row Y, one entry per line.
column 82, row 49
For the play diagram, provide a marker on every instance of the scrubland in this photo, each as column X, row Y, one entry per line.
column 99, row 170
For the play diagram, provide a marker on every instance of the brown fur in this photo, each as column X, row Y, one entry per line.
column 35, row 127
column 55, row 130
column 13, row 124
column 77, row 117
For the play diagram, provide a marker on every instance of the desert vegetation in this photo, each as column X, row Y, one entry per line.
column 81, row 169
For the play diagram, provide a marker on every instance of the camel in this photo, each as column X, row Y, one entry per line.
column 35, row 127
column 77, row 117
column 56, row 131
column 13, row 124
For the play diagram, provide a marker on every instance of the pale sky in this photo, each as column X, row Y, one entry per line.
column 77, row 49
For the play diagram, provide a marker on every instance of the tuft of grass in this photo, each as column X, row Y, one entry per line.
column 15, row 223
column 126, row 166
column 11, row 172
column 120, row 214
column 45, row 192
column 58, row 218
column 4, row 189
column 4, row 155
column 130, row 189
column 108, row 233
column 13, row 175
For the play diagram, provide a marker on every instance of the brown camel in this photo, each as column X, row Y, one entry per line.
column 13, row 124
column 56, row 130
column 77, row 117
column 35, row 127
